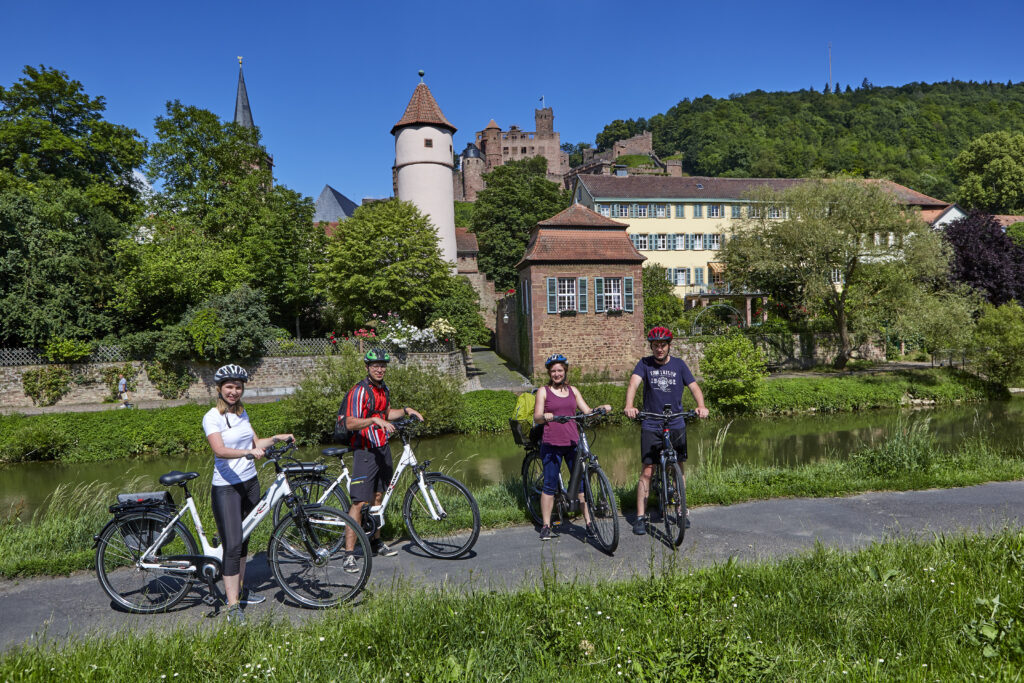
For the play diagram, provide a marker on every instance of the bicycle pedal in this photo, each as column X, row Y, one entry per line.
column 211, row 600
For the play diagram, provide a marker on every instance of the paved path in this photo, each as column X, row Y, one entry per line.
column 514, row 557
column 488, row 370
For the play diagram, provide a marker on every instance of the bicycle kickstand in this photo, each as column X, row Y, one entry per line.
column 213, row 598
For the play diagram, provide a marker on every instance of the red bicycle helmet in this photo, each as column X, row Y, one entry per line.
column 659, row 334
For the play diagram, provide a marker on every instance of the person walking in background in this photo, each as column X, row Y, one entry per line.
column 122, row 390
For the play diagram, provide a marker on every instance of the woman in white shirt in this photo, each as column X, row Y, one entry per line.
column 236, row 490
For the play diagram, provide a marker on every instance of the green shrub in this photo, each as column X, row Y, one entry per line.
column 171, row 379
column 910, row 449
column 67, row 350
column 733, row 370
column 47, row 385
column 30, row 439
column 998, row 344
column 486, row 411
column 435, row 395
column 111, row 377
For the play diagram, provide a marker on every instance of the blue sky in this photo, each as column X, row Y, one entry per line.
column 328, row 80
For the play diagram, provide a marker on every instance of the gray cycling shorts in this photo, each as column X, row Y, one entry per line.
column 372, row 469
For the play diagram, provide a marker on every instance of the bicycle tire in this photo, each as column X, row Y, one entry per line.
column 603, row 512
column 457, row 531
column 318, row 581
column 673, row 505
column 533, row 485
column 141, row 591
column 310, row 490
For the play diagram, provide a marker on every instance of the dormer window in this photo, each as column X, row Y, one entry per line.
column 428, row 142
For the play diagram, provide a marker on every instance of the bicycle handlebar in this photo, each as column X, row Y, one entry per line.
column 275, row 452
column 665, row 417
column 597, row 412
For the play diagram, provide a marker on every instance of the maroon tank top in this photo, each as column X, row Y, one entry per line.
column 556, row 433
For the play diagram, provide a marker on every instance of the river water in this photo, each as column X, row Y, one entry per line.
column 491, row 458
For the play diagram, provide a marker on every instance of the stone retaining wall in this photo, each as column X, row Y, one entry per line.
column 277, row 376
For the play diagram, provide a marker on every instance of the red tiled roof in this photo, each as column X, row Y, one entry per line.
column 423, row 109
column 563, row 245
column 465, row 241
column 330, row 228
column 579, row 216
column 1006, row 220
column 699, row 187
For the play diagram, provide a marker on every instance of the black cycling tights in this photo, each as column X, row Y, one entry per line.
column 231, row 504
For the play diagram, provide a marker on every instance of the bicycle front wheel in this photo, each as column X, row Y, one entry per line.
column 673, row 503
column 311, row 490
column 323, row 577
column 603, row 511
column 143, row 591
column 442, row 518
column 533, row 485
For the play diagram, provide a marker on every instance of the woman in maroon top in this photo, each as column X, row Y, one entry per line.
column 558, row 399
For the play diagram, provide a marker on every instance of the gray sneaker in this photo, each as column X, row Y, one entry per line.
column 383, row 549
column 349, row 565
column 640, row 526
column 250, row 598
column 236, row 615
column 546, row 534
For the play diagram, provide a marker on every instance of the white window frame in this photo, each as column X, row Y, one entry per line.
column 641, row 239
column 613, row 299
column 682, row 277
column 836, row 276
column 661, row 242
column 566, row 292
column 605, row 210
column 641, row 211
column 661, row 211
column 714, row 210
column 776, row 212
column 698, row 241
column 715, row 241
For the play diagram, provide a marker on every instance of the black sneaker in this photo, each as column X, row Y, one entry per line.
column 250, row 598
column 382, row 549
column 546, row 534
column 640, row 526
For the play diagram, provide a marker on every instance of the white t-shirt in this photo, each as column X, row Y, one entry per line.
column 236, row 432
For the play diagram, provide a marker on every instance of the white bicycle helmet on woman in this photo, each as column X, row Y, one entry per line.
column 230, row 372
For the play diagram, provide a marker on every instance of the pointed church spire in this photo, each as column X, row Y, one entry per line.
column 243, row 114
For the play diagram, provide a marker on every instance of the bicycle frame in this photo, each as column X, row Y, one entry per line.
column 278, row 489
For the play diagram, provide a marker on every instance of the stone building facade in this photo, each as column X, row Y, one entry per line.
column 494, row 147
column 466, row 266
column 580, row 294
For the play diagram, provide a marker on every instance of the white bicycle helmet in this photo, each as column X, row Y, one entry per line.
column 228, row 372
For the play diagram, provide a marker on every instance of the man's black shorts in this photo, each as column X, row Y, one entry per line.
column 371, row 472
column 650, row 445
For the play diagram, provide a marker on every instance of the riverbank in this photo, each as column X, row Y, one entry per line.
column 111, row 435
column 946, row 609
column 58, row 538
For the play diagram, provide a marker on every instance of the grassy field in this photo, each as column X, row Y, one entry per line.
column 949, row 609
column 58, row 538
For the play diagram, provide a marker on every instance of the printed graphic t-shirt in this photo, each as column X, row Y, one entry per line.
column 663, row 384
column 236, row 432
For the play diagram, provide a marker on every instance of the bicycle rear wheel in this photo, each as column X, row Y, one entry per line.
column 120, row 546
column 459, row 525
column 318, row 579
column 311, row 490
column 603, row 511
column 533, row 485
column 673, row 502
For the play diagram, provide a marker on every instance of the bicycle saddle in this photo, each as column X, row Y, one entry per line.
column 335, row 452
column 176, row 477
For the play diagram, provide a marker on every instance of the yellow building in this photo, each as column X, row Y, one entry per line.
column 681, row 223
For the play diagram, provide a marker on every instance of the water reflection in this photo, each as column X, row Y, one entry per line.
column 491, row 458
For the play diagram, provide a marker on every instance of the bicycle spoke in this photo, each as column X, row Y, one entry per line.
column 603, row 512
column 455, row 531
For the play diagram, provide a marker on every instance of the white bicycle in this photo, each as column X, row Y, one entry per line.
column 147, row 560
column 439, row 511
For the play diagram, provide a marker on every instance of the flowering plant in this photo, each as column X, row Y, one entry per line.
column 510, row 291
column 442, row 328
column 393, row 329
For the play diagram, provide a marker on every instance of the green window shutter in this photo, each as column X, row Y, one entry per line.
column 699, row 272
column 627, row 294
column 552, row 295
column 583, row 295
column 671, row 242
column 598, row 295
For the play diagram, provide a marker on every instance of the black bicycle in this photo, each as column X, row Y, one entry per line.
column 598, row 495
column 672, row 485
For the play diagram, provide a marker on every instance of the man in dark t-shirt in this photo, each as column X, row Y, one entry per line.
column 663, row 378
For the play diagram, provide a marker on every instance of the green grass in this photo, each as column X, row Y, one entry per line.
column 58, row 538
column 948, row 609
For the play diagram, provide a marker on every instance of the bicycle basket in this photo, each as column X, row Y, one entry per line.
column 525, row 435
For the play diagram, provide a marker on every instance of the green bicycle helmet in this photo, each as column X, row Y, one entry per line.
column 377, row 356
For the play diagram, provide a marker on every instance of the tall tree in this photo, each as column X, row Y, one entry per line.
column 219, row 221
column 386, row 259
column 985, row 258
column 990, row 172
column 518, row 196
column 67, row 193
column 661, row 305
column 844, row 249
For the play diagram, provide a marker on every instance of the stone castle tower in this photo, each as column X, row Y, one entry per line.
column 424, row 164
